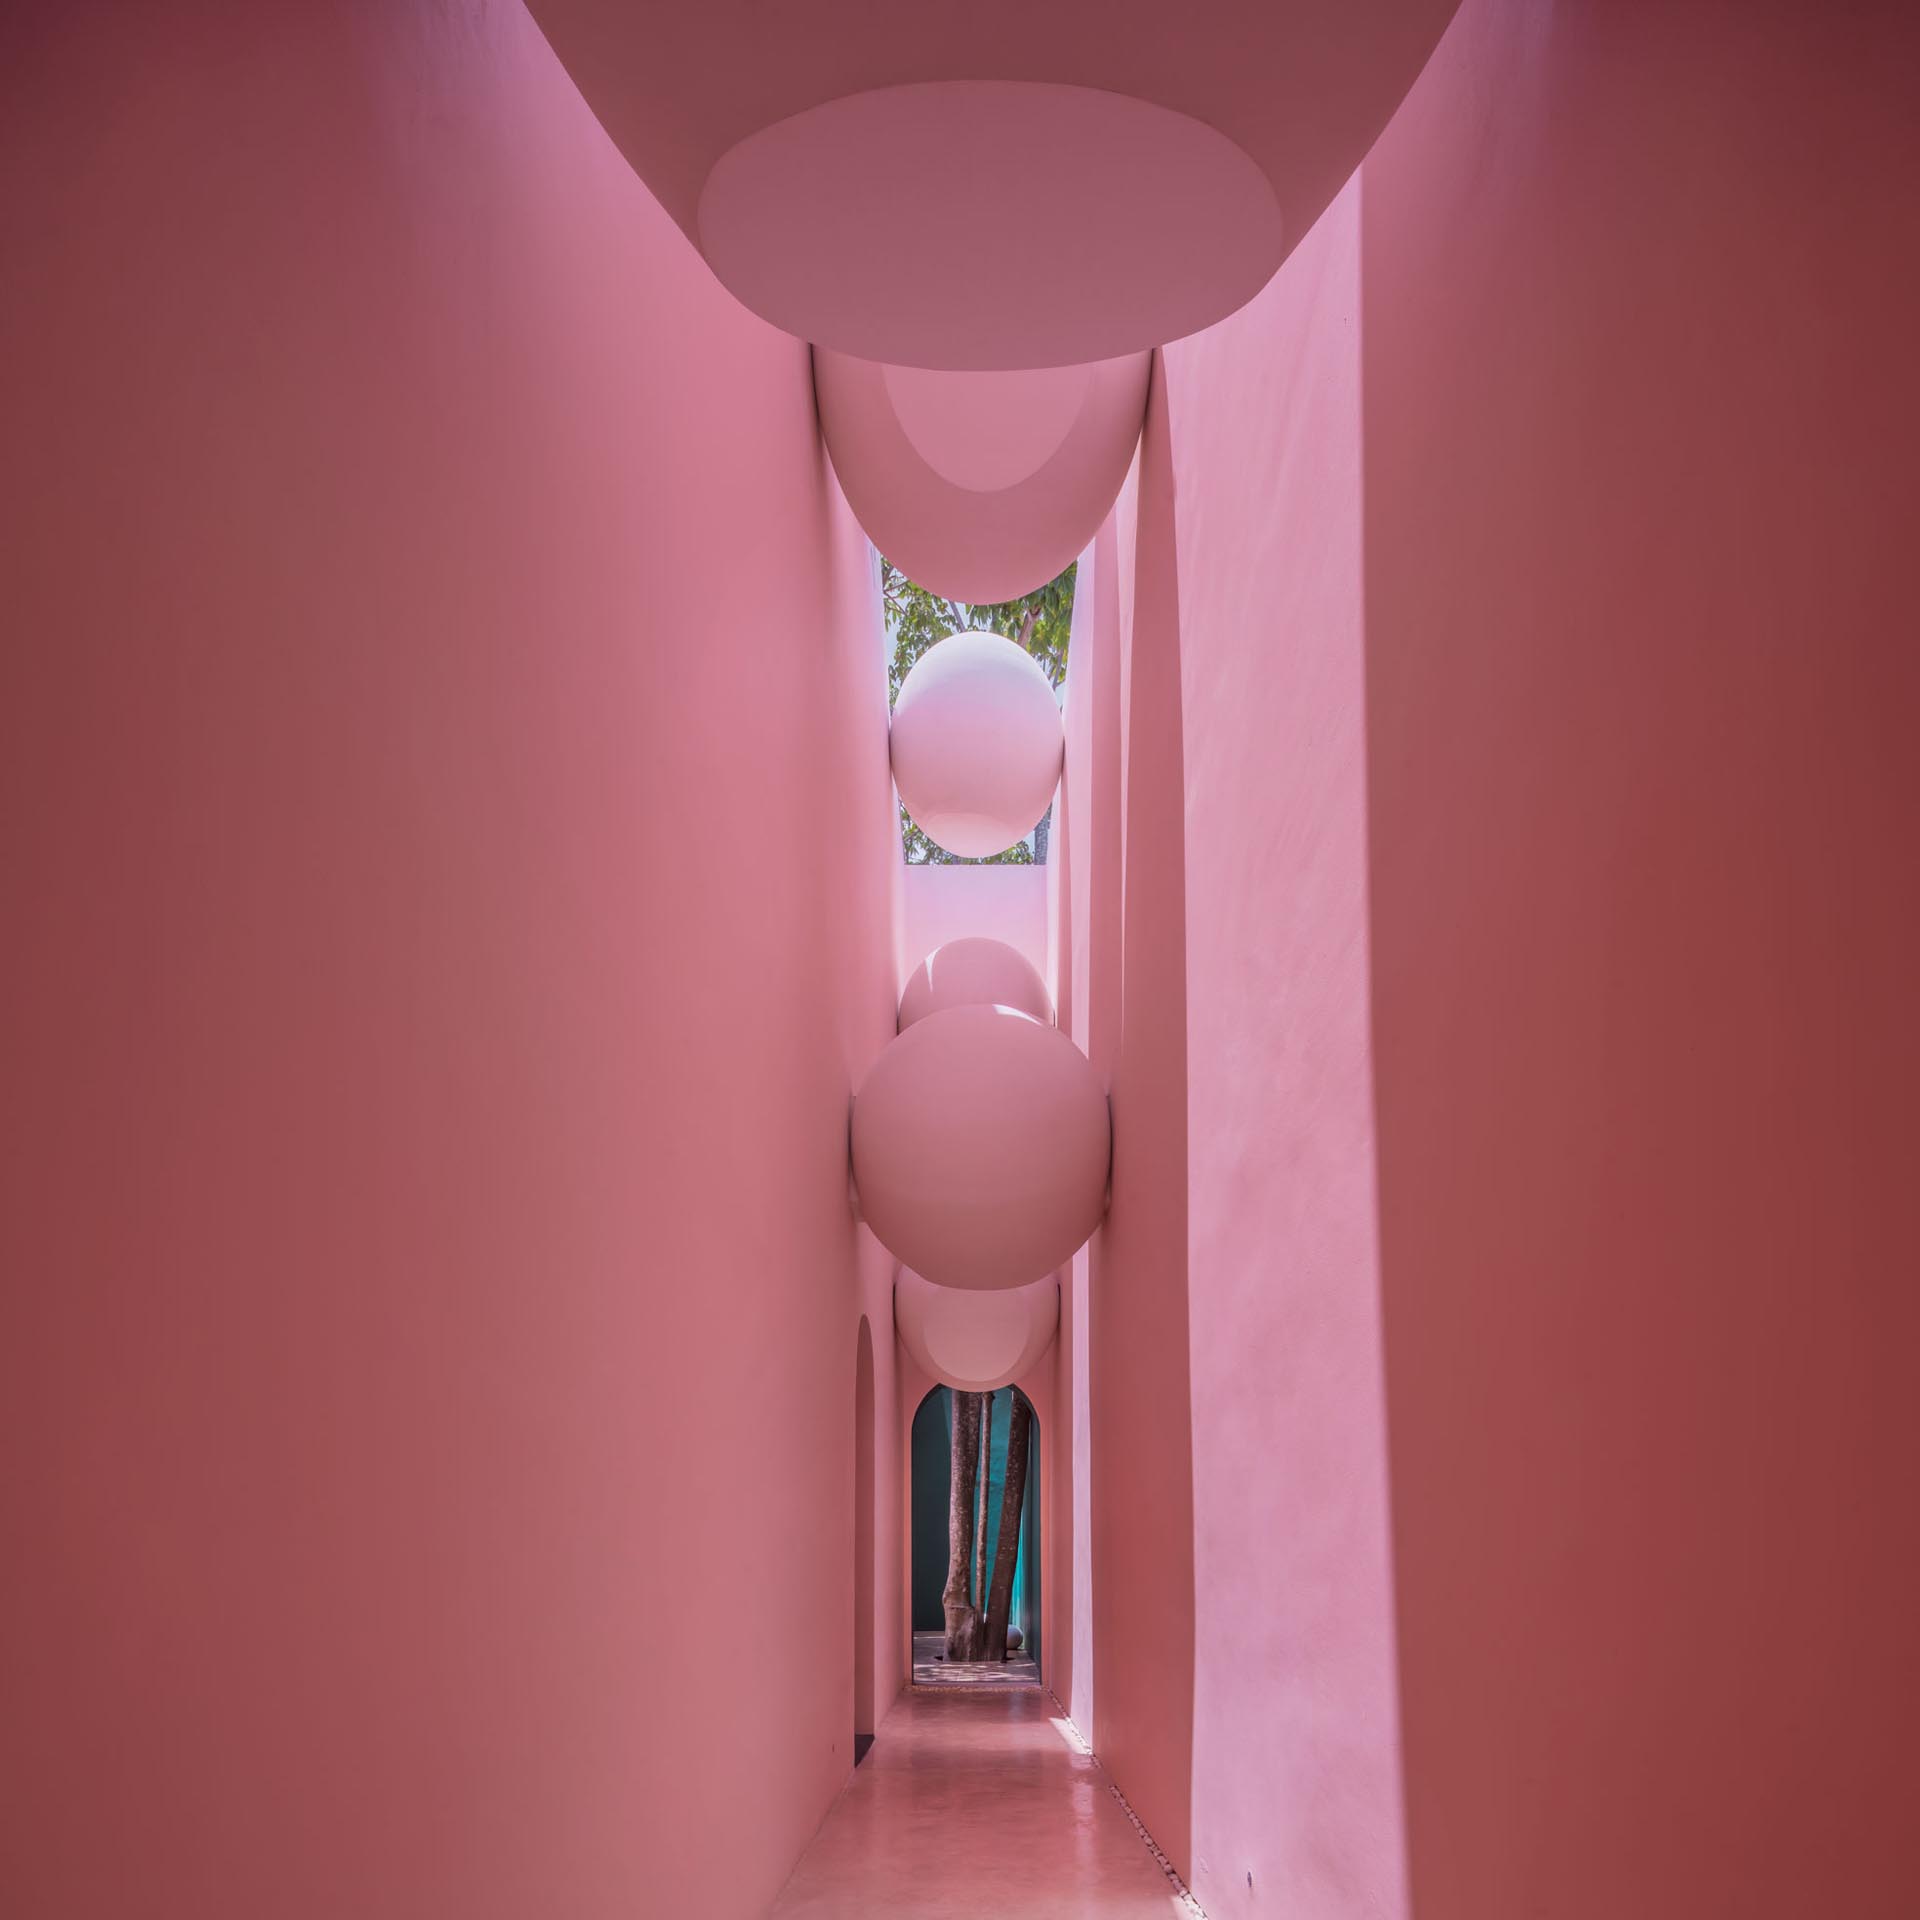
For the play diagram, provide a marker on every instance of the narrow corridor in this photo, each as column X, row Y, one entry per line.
column 975, row 1804
column 1074, row 829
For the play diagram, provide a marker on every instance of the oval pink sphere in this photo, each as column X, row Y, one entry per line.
column 974, row 972
column 976, row 743
column 980, row 1148
column 1168, row 224
column 981, row 486
column 998, row 185
column 975, row 1341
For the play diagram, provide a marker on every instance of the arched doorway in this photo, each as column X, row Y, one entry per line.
column 862, row 1542
column 931, row 1479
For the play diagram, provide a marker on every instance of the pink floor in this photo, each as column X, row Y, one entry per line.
column 973, row 1804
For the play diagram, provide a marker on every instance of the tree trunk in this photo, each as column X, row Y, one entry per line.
column 962, row 1619
column 980, row 1523
column 1007, row 1548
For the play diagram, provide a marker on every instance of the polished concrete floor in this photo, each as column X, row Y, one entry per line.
column 978, row 1805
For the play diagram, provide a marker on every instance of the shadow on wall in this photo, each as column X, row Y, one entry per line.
column 863, row 1688
column 1142, row 1400
column 1646, row 921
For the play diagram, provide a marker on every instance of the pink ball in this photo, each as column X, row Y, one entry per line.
column 1000, row 184
column 981, row 1147
column 885, row 222
column 981, row 486
column 976, row 743
column 974, row 972
column 977, row 1342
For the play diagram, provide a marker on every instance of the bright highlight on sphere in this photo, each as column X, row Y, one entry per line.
column 981, row 1146
column 981, row 486
column 977, row 744
column 976, row 1342
column 974, row 972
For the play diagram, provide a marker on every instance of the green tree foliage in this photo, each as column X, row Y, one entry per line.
column 916, row 618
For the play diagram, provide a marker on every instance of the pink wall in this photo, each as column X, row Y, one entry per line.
column 1085, row 941
column 867, row 1690
column 1141, row 1413
column 1295, row 1775
column 1241, row 1600
column 892, row 1644
column 429, row 1321
column 1642, row 286
column 1582, row 462
column 911, row 1386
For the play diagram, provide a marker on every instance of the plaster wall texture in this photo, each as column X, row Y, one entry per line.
column 1295, row 1757
column 1084, row 860
column 1142, row 1410
column 431, row 1297
column 1583, row 464
column 1640, row 292
column 1064, row 1597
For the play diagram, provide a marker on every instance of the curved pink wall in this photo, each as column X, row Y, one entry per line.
column 1240, row 1599
column 1586, row 467
column 1295, row 1777
column 1084, row 869
column 1641, row 294
column 867, row 1694
column 430, row 1299
column 1142, row 1400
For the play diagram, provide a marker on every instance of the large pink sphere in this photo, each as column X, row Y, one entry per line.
column 977, row 744
column 981, row 1146
column 977, row 1342
column 974, row 972
column 982, row 486
column 1008, row 183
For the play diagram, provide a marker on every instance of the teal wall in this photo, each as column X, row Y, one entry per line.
column 931, row 1467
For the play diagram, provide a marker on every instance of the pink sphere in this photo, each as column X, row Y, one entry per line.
column 977, row 1342
column 982, row 486
column 974, row 972
column 981, row 1146
column 997, row 185
column 977, row 744
column 1168, row 224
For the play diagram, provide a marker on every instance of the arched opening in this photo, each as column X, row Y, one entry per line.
column 863, row 1543
column 936, row 1495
